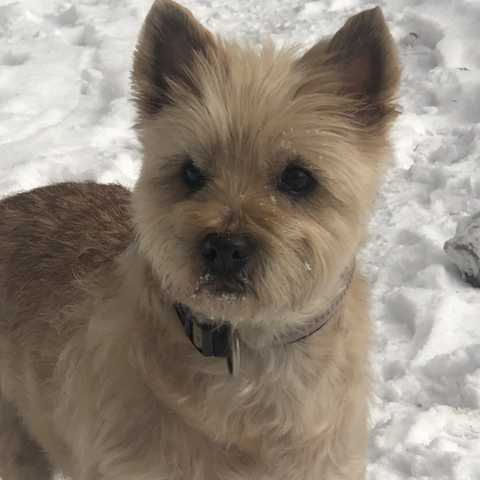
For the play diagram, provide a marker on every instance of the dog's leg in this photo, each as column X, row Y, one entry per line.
column 21, row 458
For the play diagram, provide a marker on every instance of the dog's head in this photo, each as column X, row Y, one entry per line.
column 260, row 165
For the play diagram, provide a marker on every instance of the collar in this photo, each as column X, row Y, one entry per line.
column 221, row 340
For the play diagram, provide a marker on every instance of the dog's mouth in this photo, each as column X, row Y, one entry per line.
column 224, row 287
column 227, row 287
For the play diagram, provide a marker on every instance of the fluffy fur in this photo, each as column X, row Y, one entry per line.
column 97, row 378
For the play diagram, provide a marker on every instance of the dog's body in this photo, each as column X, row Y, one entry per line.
column 276, row 155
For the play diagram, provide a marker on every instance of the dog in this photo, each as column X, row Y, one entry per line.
column 212, row 323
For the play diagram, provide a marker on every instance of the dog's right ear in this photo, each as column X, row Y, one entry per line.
column 364, row 54
column 169, row 43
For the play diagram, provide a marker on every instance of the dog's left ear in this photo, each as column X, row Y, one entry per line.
column 364, row 53
column 170, row 43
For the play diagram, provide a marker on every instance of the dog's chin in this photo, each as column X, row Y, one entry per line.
column 223, row 286
column 226, row 288
column 217, row 298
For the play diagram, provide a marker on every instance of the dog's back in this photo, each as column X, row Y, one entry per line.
column 49, row 238
column 52, row 235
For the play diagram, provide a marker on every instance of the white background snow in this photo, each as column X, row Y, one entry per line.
column 65, row 114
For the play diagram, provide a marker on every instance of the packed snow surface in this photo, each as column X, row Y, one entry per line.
column 65, row 114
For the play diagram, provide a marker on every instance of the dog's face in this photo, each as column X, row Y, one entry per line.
column 260, row 166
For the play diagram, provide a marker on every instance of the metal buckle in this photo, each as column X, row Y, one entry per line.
column 233, row 361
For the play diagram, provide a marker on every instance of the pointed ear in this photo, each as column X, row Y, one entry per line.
column 169, row 43
column 364, row 53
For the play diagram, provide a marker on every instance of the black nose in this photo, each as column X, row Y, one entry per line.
column 225, row 253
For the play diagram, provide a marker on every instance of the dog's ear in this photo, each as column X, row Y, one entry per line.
column 364, row 53
column 169, row 43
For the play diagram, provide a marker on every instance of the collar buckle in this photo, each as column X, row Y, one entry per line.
column 211, row 340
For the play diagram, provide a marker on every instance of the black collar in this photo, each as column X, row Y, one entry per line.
column 209, row 339
column 219, row 340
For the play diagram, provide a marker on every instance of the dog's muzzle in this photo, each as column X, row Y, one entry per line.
column 221, row 340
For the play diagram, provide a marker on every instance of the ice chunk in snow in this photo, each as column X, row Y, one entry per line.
column 464, row 248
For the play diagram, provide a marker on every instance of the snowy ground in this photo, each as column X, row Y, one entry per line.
column 65, row 114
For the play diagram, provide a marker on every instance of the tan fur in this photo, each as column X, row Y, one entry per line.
column 97, row 378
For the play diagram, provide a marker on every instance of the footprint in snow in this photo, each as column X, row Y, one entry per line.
column 15, row 58
column 69, row 17
column 452, row 378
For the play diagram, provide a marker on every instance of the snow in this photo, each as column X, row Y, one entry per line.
column 65, row 114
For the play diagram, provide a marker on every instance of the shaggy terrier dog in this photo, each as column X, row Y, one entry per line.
column 212, row 324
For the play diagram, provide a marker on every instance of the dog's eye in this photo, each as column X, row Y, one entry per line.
column 192, row 176
column 296, row 181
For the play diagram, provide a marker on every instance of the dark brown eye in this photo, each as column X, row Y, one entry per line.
column 296, row 181
column 193, row 178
